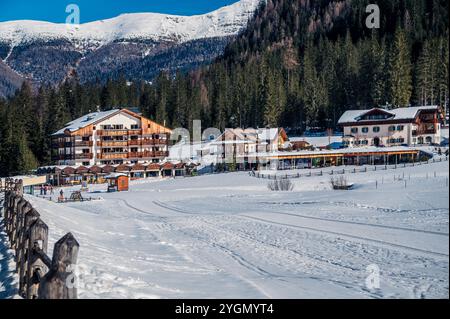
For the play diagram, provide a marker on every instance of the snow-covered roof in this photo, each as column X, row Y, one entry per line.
column 268, row 134
column 249, row 135
column 85, row 121
column 115, row 175
column 318, row 141
column 404, row 113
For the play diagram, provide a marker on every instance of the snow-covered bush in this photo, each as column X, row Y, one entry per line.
column 283, row 185
column 340, row 182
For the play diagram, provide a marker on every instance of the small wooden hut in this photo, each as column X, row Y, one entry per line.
column 117, row 182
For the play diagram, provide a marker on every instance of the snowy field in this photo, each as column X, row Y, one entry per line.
column 228, row 236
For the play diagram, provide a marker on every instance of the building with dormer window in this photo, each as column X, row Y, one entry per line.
column 410, row 126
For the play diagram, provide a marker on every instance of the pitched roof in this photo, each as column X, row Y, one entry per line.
column 96, row 117
column 404, row 113
column 251, row 135
column 85, row 120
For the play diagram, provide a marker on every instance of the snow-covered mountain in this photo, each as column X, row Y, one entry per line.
column 48, row 52
column 223, row 22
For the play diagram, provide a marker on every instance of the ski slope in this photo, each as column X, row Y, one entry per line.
column 228, row 236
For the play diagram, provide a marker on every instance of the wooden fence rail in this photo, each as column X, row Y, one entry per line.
column 355, row 170
column 40, row 277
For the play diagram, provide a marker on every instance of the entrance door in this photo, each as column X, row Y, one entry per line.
column 376, row 141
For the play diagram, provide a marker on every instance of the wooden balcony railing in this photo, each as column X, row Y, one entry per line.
column 148, row 141
column 112, row 143
column 423, row 131
column 84, row 143
column 135, row 132
column 109, row 156
column 61, row 157
column 112, row 132
column 84, row 156
column 133, row 155
column 134, row 142
column 119, row 132
column 161, row 154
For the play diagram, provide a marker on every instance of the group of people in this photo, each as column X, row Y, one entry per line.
column 46, row 189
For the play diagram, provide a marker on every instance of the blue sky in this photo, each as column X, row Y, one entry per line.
column 91, row 10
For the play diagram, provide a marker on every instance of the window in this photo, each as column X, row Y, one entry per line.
column 85, row 164
column 428, row 139
column 354, row 130
column 134, row 127
column 400, row 127
column 392, row 128
column 364, row 142
column 401, row 140
column 376, row 129
column 365, row 130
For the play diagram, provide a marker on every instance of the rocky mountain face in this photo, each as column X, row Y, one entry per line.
column 137, row 46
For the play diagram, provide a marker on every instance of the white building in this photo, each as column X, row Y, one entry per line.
column 402, row 126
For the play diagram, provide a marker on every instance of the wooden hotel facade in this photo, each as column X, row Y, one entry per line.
column 112, row 137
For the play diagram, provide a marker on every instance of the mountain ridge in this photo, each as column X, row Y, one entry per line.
column 224, row 21
column 135, row 45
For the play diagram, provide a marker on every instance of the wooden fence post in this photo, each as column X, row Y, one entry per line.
column 18, row 223
column 59, row 282
column 36, row 268
column 22, row 258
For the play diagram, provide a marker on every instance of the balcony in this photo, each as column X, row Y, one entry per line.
column 112, row 132
column 135, row 132
column 161, row 154
column 148, row 141
column 84, row 143
column 423, row 132
column 134, row 142
column 119, row 132
column 58, row 145
column 112, row 144
column 61, row 157
column 87, row 156
column 109, row 156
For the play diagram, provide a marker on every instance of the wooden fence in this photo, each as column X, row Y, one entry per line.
column 39, row 276
column 354, row 170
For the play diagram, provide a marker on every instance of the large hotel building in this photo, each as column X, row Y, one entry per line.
column 411, row 126
column 117, row 136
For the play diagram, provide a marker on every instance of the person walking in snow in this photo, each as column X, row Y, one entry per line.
column 42, row 190
column 61, row 196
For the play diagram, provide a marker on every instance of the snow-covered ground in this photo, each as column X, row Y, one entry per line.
column 228, row 236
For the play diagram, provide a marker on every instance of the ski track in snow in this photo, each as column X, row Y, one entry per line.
column 227, row 236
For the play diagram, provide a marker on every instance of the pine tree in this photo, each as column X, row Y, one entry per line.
column 400, row 71
column 272, row 108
